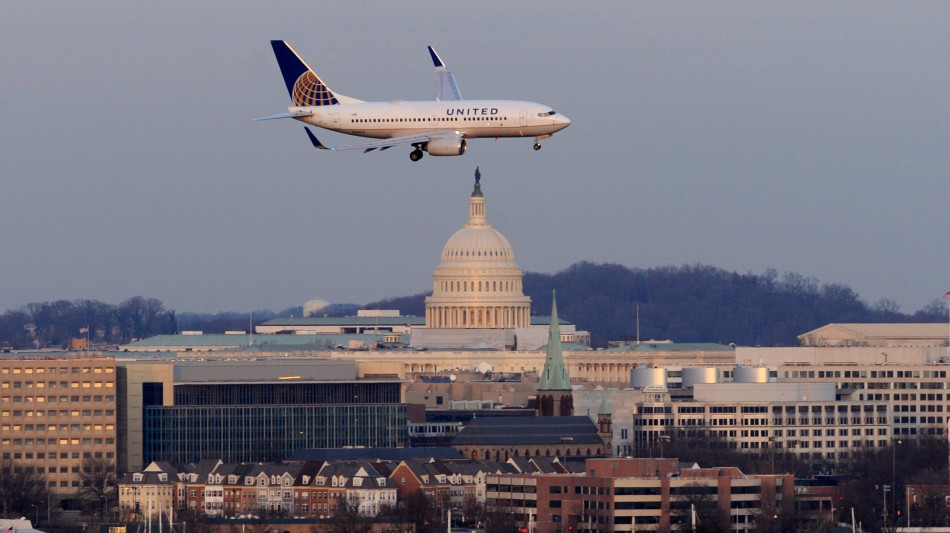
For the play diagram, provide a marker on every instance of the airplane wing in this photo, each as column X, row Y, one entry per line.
column 446, row 89
column 381, row 144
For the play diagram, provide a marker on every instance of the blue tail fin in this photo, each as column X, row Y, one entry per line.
column 305, row 88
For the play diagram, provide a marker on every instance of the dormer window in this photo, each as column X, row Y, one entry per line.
column 163, row 477
column 137, row 477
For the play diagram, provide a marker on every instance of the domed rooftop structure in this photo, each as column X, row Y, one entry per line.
column 477, row 284
column 311, row 307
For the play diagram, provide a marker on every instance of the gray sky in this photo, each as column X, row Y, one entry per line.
column 805, row 137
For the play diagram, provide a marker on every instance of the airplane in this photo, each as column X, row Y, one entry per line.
column 440, row 127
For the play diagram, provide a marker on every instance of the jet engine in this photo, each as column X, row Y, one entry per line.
column 446, row 146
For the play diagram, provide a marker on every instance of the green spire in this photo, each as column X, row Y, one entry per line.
column 604, row 406
column 554, row 375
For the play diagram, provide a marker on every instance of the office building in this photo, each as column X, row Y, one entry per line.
column 252, row 410
column 58, row 412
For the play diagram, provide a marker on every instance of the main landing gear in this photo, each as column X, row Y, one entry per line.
column 537, row 146
column 416, row 154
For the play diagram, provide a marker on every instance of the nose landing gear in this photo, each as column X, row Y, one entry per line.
column 537, row 141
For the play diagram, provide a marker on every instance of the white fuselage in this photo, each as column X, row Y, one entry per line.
column 469, row 118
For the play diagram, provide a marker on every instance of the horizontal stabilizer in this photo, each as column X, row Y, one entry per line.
column 294, row 114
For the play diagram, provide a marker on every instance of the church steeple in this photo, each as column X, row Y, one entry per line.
column 554, row 375
column 554, row 386
column 605, row 423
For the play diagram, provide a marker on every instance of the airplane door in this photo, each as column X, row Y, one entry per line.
column 335, row 120
column 524, row 117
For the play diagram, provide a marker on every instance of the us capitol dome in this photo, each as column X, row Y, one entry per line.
column 477, row 284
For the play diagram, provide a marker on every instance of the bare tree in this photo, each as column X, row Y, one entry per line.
column 348, row 518
column 703, row 501
column 98, row 483
column 21, row 489
column 473, row 511
column 417, row 512
column 501, row 519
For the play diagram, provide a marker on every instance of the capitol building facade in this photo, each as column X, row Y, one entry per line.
column 477, row 284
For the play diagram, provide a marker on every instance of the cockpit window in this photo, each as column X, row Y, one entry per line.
column 548, row 114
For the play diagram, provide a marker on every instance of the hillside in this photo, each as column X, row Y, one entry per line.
column 695, row 303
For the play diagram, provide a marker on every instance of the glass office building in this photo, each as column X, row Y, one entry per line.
column 261, row 409
column 270, row 421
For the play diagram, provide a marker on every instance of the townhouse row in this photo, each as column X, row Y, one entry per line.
column 311, row 489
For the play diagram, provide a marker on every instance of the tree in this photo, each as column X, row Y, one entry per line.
column 473, row 511
column 774, row 518
column 348, row 518
column 139, row 317
column 501, row 519
column 22, row 490
column 700, row 499
column 419, row 510
column 930, row 508
column 98, row 484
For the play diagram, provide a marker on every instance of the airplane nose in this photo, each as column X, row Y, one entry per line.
column 562, row 121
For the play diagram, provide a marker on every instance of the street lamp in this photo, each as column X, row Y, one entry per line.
column 772, row 452
column 884, row 489
column 894, row 442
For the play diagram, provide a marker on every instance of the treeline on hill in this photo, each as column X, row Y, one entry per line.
column 54, row 324
column 695, row 303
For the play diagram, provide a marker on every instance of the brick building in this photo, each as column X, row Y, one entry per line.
column 637, row 495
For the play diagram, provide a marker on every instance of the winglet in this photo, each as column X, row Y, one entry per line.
column 446, row 88
column 316, row 143
column 436, row 60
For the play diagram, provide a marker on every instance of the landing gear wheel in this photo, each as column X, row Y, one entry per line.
column 415, row 155
column 537, row 146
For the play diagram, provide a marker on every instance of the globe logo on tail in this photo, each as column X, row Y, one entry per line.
column 309, row 90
